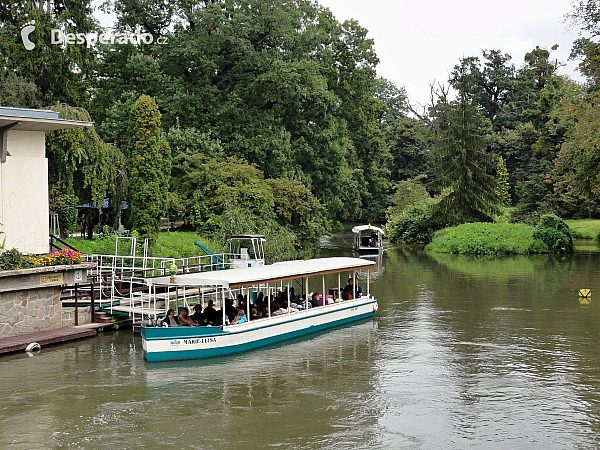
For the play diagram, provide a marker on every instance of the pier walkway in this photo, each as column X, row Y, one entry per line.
column 19, row 343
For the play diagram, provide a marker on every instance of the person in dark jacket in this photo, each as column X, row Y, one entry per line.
column 198, row 316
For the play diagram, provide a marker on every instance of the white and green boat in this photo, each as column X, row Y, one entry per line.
column 180, row 343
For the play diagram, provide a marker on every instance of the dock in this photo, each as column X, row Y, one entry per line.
column 19, row 343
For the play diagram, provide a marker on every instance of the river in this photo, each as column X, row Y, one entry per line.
column 463, row 353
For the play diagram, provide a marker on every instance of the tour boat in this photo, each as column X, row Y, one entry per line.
column 368, row 239
column 184, row 342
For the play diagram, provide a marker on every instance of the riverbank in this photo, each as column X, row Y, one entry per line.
column 585, row 228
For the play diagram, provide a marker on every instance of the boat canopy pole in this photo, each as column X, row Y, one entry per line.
column 354, row 284
column 368, row 282
column 324, row 296
column 340, row 288
column 223, row 305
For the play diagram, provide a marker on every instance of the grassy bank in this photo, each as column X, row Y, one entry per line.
column 487, row 239
column 584, row 228
column 174, row 244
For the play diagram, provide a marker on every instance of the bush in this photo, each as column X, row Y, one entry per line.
column 554, row 233
column 598, row 237
column 13, row 260
column 487, row 239
column 415, row 226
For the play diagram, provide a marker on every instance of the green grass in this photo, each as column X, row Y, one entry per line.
column 174, row 244
column 584, row 228
column 487, row 239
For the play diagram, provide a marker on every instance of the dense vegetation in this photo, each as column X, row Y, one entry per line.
column 267, row 116
column 550, row 235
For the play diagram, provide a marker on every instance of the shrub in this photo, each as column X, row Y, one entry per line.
column 415, row 226
column 598, row 237
column 487, row 239
column 554, row 233
column 13, row 259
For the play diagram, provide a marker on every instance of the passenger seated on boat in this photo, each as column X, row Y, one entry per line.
column 349, row 289
column 254, row 313
column 230, row 310
column 293, row 295
column 211, row 314
column 371, row 242
column 198, row 316
column 169, row 319
column 185, row 320
column 316, row 300
column 240, row 317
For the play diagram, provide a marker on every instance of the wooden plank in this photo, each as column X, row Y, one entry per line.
column 19, row 343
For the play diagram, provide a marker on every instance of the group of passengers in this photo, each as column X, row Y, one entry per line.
column 282, row 303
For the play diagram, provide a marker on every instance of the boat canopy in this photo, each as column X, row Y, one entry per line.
column 360, row 228
column 234, row 278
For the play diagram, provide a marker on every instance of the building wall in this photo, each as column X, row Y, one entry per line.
column 24, row 208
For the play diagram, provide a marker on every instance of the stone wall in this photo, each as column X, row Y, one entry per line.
column 36, row 310
column 27, row 306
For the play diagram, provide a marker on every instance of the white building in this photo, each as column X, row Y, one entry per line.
column 24, row 213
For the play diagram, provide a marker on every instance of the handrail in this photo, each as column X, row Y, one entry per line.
column 56, row 238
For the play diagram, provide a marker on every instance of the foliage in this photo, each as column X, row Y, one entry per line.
column 67, row 212
column 577, row 167
column 462, row 165
column 149, row 168
column 408, row 193
column 415, row 226
column 298, row 210
column 502, row 184
column 554, row 233
column 81, row 163
column 60, row 73
column 487, row 239
column 13, row 259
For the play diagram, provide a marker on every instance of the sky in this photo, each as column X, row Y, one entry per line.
column 418, row 42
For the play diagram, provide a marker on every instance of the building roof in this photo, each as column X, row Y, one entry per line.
column 248, row 236
column 234, row 278
column 25, row 119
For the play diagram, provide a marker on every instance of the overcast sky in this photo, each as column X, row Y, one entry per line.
column 419, row 41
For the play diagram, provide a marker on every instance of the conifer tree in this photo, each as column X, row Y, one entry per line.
column 149, row 168
column 503, row 186
column 463, row 168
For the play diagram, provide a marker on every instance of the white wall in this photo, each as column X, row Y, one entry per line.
column 24, row 193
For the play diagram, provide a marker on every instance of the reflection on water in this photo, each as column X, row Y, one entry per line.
column 464, row 352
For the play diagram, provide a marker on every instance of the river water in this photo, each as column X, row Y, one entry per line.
column 463, row 353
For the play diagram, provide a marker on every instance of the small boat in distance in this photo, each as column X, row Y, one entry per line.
column 256, row 288
column 368, row 239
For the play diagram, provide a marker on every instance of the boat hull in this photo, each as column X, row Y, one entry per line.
column 364, row 249
column 182, row 343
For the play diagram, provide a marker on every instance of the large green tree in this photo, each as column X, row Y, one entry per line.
column 149, row 162
column 463, row 167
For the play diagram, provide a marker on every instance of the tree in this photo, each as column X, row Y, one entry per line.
column 463, row 168
column 60, row 73
column 149, row 168
column 82, row 163
column 577, row 166
column 503, row 186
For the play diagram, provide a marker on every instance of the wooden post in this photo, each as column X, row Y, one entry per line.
column 76, row 306
column 93, row 301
